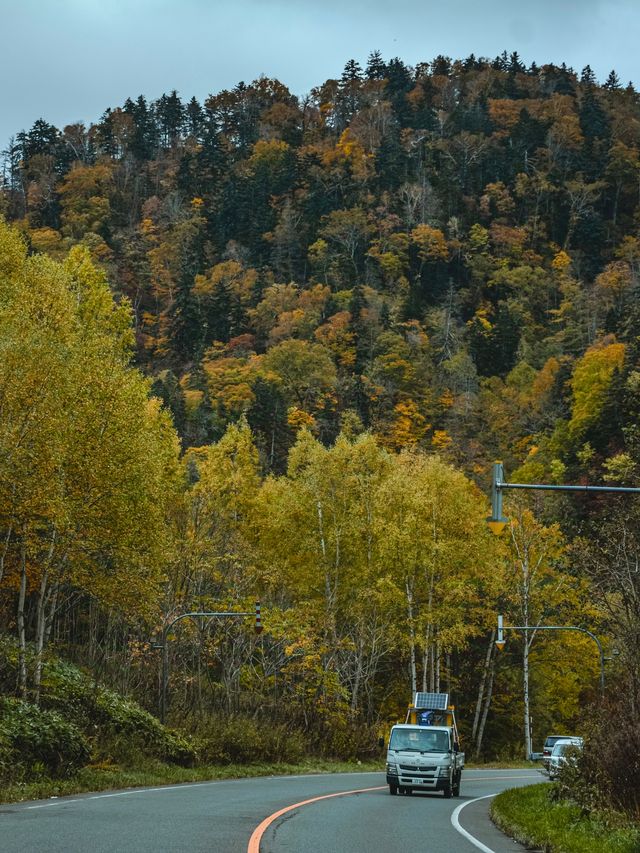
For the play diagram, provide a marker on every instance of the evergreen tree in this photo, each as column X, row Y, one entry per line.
column 170, row 114
column 399, row 83
column 267, row 418
column 515, row 65
column 349, row 93
column 470, row 63
column 194, row 118
column 391, row 160
column 441, row 65
column 612, row 83
column 145, row 135
column 565, row 81
column 501, row 62
column 187, row 331
column 376, row 66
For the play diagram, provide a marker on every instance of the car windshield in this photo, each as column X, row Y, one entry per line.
column 417, row 740
column 561, row 748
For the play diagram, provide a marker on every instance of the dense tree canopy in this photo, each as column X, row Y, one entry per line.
column 350, row 304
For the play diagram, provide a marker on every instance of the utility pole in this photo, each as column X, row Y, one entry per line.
column 163, row 645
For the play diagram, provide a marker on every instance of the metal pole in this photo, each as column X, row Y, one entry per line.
column 549, row 488
column 164, row 680
column 497, row 521
column 567, row 628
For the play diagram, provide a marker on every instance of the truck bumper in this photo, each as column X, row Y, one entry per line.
column 418, row 783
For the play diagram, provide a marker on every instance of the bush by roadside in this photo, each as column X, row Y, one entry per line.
column 115, row 728
column 606, row 772
column 36, row 742
column 243, row 740
column 79, row 722
column 537, row 819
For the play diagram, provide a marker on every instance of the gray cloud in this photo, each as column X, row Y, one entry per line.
column 67, row 60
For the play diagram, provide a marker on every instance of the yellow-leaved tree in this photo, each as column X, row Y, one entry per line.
column 539, row 590
column 434, row 546
column 88, row 460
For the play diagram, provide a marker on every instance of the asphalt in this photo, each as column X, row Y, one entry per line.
column 219, row 817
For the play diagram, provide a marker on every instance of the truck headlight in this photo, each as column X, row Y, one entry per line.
column 392, row 770
column 444, row 769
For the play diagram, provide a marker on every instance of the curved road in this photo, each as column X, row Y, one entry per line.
column 221, row 817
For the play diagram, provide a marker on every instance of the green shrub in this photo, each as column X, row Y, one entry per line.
column 243, row 740
column 348, row 740
column 606, row 772
column 118, row 728
column 35, row 741
column 127, row 729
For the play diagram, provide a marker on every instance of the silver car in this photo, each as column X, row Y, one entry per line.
column 562, row 752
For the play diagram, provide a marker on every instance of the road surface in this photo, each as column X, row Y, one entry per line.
column 223, row 816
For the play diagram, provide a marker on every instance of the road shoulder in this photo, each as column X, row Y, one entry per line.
column 474, row 818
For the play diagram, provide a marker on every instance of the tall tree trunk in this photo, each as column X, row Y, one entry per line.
column 481, row 687
column 412, row 639
column 487, row 705
column 5, row 549
column 44, row 595
column 22, row 637
column 41, row 618
column 358, row 676
column 425, row 658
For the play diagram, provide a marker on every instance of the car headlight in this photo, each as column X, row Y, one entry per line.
column 392, row 770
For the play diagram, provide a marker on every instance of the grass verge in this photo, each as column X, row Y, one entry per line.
column 110, row 777
column 529, row 816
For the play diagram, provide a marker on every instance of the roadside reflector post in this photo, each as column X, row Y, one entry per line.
column 496, row 520
column 500, row 639
column 258, row 626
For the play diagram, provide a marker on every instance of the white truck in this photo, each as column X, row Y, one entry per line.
column 424, row 752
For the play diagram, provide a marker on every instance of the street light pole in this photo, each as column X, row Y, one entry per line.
column 164, row 677
column 503, row 627
column 497, row 521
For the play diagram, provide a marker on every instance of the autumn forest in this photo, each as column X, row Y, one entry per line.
column 268, row 347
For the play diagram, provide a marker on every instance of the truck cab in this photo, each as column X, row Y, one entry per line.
column 423, row 753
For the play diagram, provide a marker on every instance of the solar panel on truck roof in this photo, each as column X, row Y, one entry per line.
column 432, row 701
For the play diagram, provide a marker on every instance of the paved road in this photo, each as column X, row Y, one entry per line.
column 220, row 817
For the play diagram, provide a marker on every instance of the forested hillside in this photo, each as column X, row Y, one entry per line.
column 350, row 303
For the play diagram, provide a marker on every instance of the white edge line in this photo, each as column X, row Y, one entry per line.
column 64, row 800
column 456, row 824
column 496, row 778
column 43, row 805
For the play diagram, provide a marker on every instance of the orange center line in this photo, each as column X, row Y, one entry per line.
column 258, row 832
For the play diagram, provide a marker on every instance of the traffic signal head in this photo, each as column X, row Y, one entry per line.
column 496, row 520
column 500, row 637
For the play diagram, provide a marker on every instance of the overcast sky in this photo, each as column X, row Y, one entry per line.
column 68, row 60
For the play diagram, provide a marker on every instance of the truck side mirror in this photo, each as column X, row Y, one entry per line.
column 456, row 746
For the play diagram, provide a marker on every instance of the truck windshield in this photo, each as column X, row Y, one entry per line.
column 417, row 740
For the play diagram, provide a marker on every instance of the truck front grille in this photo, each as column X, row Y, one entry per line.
column 415, row 768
